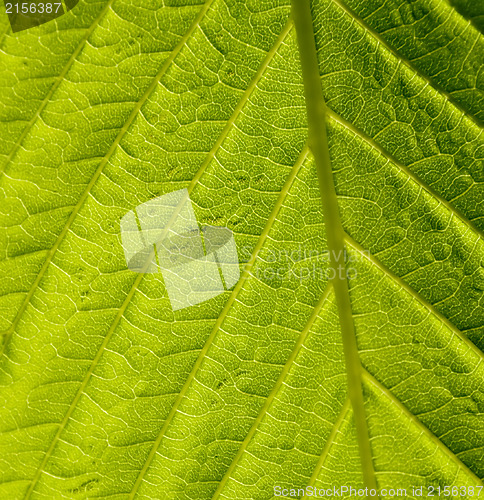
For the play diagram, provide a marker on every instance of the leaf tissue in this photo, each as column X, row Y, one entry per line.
column 340, row 144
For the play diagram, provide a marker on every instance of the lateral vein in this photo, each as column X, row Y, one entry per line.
column 221, row 318
column 417, row 423
column 405, row 169
column 66, row 229
column 297, row 347
column 329, row 443
column 51, row 252
column 430, row 307
column 56, row 84
column 193, row 183
column 408, row 63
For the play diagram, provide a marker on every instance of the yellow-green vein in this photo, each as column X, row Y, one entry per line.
column 334, row 431
column 267, row 403
column 371, row 258
column 405, row 169
column 55, row 85
column 407, row 63
column 140, row 275
column 317, row 111
column 50, row 254
column 370, row 379
column 221, row 318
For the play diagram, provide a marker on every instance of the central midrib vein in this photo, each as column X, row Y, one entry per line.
column 316, row 112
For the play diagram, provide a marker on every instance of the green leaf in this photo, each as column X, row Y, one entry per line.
column 104, row 390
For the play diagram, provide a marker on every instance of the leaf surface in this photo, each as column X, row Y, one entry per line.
column 104, row 390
